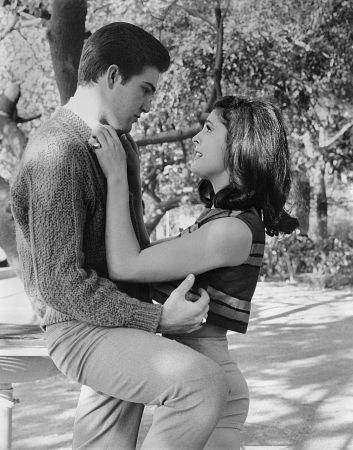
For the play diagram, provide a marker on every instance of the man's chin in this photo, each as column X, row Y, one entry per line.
column 118, row 128
column 124, row 130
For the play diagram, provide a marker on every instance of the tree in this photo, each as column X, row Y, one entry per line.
column 304, row 61
column 299, row 54
column 65, row 31
column 166, row 180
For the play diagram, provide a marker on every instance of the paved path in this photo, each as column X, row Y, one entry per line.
column 297, row 357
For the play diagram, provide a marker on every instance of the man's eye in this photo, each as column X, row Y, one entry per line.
column 208, row 128
column 146, row 90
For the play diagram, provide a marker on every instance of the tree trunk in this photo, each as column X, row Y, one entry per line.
column 303, row 192
column 159, row 211
column 15, row 141
column 321, row 204
column 218, row 67
column 66, row 32
column 13, row 137
column 7, row 229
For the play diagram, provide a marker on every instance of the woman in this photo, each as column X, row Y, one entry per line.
column 242, row 157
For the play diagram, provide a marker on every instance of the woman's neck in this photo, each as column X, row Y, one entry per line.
column 220, row 182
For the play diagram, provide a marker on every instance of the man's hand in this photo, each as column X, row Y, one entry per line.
column 181, row 316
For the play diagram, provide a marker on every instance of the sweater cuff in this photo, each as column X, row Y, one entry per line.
column 146, row 319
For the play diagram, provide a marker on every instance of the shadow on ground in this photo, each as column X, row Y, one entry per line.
column 297, row 358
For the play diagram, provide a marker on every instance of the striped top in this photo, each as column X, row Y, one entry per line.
column 230, row 288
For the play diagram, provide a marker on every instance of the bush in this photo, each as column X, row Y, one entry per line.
column 324, row 263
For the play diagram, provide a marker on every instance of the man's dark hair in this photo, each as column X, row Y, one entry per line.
column 129, row 47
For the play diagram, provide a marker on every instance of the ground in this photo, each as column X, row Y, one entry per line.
column 297, row 358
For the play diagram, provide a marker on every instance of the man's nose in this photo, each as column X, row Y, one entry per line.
column 146, row 105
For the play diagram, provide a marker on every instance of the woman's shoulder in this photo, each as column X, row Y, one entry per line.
column 253, row 220
column 228, row 227
column 232, row 238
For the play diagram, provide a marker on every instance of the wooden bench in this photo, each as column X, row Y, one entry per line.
column 16, row 342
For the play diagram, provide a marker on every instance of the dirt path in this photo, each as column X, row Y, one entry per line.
column 297, row 358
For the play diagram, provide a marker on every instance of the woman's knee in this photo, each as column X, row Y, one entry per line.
column 212, row 383
column 237, row 407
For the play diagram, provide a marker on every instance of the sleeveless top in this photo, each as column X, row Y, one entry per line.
column 230, row 288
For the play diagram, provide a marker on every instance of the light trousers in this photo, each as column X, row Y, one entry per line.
column 20, row 369
column 228, row 428
column 129, row 368
column 227, row 433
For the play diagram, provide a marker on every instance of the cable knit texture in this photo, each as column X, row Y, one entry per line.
column 58, row 200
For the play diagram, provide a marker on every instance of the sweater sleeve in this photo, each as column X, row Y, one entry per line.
column 55, row 205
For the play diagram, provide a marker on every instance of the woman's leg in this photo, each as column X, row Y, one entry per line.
column 227, row 434
column 137, row 367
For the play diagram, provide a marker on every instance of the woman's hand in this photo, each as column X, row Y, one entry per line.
column 110, row 152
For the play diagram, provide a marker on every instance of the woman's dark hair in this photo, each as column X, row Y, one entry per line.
column 129, row 47
column 257, row 157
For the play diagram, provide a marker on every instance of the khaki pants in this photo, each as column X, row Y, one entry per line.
column 129, row 368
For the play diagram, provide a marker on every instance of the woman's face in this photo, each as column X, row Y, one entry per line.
column 209, row 158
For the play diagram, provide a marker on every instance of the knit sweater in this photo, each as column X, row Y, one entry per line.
column 58, row 200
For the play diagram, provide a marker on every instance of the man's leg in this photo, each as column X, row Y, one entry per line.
column 104, row 422
column 19, row 369
column 188, row 389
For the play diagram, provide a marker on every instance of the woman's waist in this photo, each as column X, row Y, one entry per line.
column 207, row 330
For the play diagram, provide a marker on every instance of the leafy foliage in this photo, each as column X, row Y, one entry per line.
column 325, row 264
column 298, row 53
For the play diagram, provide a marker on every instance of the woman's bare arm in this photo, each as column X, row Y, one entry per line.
column 219, row 243
column 223, row 242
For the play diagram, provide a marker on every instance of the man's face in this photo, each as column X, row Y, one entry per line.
column 124, row 103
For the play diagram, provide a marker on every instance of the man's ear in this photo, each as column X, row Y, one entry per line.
column 113, row 76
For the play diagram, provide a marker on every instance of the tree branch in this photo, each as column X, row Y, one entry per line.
column 217, row 72
column 151, row 193
column 330, row 141
column 9, row 99
column 102, row 7
column 161, row 208
column 10, row 26
column 168, row 136
column 28, row 119
column 197, row 15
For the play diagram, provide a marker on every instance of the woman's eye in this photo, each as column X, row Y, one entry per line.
column 208, row 128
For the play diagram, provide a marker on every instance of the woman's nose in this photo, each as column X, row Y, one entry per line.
column 196, row 139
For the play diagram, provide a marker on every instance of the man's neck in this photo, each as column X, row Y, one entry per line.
column 85, row 104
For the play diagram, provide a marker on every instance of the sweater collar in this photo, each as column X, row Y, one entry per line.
column 73, row 121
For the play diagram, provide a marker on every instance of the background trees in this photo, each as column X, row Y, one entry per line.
column 299, row 54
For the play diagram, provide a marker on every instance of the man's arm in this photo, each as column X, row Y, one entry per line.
column 49, row 205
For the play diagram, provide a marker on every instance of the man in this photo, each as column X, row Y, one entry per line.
column 100, row 334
